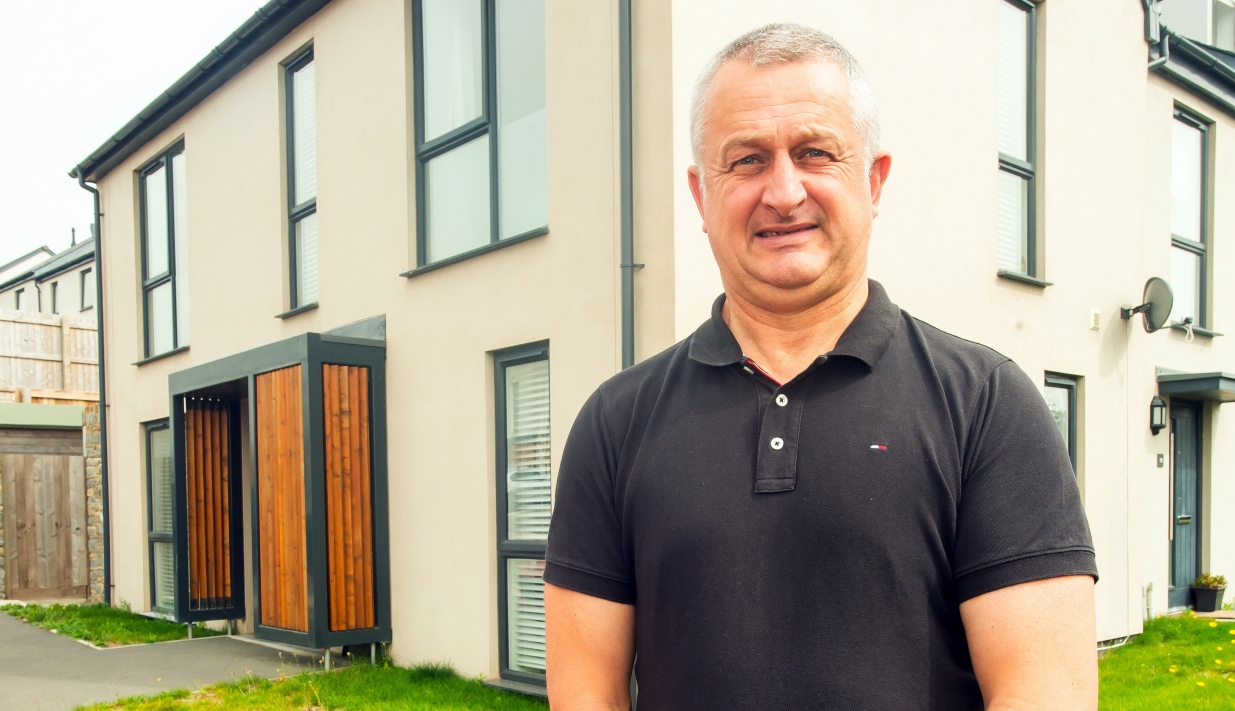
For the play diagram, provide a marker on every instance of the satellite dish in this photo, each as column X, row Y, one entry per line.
column 1156, row 309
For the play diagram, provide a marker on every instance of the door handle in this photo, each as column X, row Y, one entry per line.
column 1183, row 520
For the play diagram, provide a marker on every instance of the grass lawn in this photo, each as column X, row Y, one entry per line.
column 102, row 625
column 1179, row 663
column 357, row 688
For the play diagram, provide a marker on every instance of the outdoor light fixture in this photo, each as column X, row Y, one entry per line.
column 1157, row 414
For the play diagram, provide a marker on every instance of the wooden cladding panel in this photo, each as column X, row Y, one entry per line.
column 208, row 488
column 281, row 500
column 349, row 510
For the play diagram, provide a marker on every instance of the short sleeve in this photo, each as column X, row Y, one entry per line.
column 1019, row 515
column 586, row 551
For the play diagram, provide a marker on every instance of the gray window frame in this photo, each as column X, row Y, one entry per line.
column 84, row 291
column 55, row 297
column 150, row 283
column 295, row 213
column 507, row 549
column 1023, row 169
column 485, row 124
column 1201, row 249
column 18, row 298
column 1069, row 383
column 152, row 536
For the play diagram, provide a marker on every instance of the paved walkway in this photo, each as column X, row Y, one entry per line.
column 42, row 671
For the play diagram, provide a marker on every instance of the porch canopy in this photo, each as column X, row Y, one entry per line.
column 314, row 455
column 1217, row 386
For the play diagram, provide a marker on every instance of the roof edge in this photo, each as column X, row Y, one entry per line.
column 1195, row 67
column 271, row 23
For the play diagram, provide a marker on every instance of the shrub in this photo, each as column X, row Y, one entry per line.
column 1209, row 580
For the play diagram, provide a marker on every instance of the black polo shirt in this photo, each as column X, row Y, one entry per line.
column 807, row 545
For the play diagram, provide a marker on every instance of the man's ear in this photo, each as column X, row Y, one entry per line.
column 694, row 177
column 880, row 168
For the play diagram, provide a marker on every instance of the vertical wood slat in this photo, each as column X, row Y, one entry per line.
column 345, row 405
column 281, row 504
column 208, row 488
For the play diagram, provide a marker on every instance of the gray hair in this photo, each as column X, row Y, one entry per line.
column 785, row 43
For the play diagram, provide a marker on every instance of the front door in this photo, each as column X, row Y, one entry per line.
column 1185, row 499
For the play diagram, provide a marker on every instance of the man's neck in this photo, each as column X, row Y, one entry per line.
column 785, row 344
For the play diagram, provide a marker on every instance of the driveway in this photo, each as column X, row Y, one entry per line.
column 41, row 670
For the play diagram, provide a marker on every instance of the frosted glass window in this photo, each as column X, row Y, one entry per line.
column 160, row 529
column 180, row 218
column 525, row 615
column 522, row 134
column 458, row 200
column 1187, row 160
column 1013, row 223
column 528, row 489
column 306, row 260
column 156, row 222
column 1013, row 98
column 1186, row 285
column 304, row 133
column 159, row 335
column 453, row 37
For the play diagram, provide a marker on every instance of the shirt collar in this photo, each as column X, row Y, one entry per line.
column 865, row 339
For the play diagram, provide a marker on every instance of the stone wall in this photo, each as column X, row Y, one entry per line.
column 94, row 501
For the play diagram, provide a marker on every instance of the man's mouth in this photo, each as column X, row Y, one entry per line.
column 789, row 230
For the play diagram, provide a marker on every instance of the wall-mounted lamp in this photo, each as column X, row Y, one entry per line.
column 1157, row 414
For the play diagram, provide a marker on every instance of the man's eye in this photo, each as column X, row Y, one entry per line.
column 816, row 153
column 748, row 160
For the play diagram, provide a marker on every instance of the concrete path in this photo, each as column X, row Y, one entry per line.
column 40, row 670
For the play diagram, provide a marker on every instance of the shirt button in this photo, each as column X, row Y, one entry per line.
column 782, row 400
column 777, row 443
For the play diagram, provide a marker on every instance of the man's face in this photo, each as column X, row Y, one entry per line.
column 789, row 199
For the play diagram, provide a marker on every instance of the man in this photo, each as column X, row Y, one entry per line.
column 815, row 501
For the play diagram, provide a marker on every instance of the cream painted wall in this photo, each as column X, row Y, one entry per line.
column 441, row 325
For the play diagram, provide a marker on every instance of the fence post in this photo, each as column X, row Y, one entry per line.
column 66, row 354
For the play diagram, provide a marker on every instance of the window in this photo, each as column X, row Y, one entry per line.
column 20, row 299
column 1189, row 219
column 162, row 550
column 165, row 275
column 524, row 501
column 87, row 289
column 300, row 86
column 481, row 142
column 1060, row 396
column 1017, row 189
column 55, row 297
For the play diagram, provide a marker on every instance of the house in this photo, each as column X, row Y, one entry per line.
column 350, row 316
column 47, row 283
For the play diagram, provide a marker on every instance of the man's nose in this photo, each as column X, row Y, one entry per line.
column 783, row 192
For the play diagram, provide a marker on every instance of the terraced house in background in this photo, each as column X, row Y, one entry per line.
column 363, row 264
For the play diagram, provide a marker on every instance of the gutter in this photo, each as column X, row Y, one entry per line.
column 626, row 180
column 98, row 314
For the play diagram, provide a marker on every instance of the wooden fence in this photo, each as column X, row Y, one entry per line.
column 48, row 352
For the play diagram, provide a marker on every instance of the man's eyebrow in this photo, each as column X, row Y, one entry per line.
column 758, row 139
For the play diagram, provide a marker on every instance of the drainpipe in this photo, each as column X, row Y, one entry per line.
column 626, row 131
column 98, row 315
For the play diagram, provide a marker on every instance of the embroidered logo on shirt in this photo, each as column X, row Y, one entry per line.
column 879, row 447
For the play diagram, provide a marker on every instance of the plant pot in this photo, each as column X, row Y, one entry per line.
column 1208, row 599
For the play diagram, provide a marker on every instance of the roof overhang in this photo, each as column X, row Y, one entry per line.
column 274, row 21
column 1216, row 386
column 1196, row 67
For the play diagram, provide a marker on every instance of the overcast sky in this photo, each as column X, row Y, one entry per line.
column 71, row 74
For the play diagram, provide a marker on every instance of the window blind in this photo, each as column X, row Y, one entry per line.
column 304, row 124
column 1013, row 97
column 528, row 486
column 180, row 222
column 161, row 503
column 526, row 615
